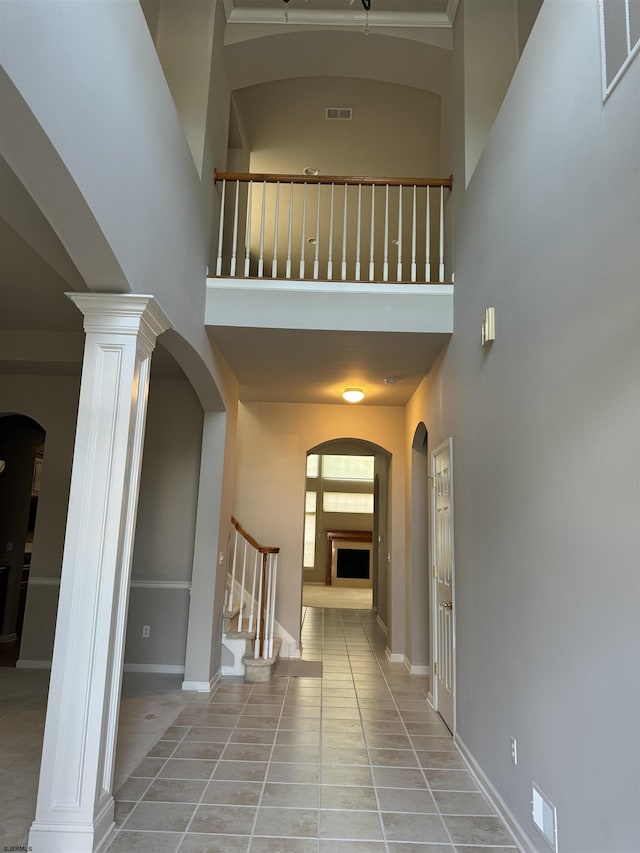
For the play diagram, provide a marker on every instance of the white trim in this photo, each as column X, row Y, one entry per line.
column 162, row 668
column 447, row 443
column 340, row 17
column 24, row 663
column 381, row 624
column 415, row 669
column 487, row 788
column 291, row 286
column 289, row 647
column 149, row 584
column 202, row 686
column 393, row 657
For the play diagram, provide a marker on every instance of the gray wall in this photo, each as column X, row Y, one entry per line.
column 163, row 552
column 166, row 517
column 546, row 444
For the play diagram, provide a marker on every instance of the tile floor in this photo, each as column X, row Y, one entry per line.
column 353, row 761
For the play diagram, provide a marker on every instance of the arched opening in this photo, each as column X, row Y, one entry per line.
column 346, row 526
column 417, row 626
column 21, row 460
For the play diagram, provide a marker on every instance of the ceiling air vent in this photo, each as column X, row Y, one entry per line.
column 339, row 113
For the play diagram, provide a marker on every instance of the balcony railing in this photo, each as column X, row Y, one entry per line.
column 331, row 228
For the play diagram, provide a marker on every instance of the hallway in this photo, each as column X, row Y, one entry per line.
column 353, row 761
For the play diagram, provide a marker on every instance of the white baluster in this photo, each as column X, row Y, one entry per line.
column 273, row 602
column 276, row 223
column 358, row 232
column 330, row 259
column 234, row 246
column 399, row 267
column 441, row 268
column 385, row 265
column 233, row 572
column 344, row 238
column 247, row 238
column 259, row 620
column 262, row 218
column 316, row 260
column 221, row 229
column 253, row 591
column 303, row 231
column 414, row 271
column 427, row 262
column 287, row 273
column 267, row 607
column 242, row 583
column 372, row 238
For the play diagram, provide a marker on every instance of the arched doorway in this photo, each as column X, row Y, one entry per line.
column 21, row 459
column 346, row 526
column 417, row 592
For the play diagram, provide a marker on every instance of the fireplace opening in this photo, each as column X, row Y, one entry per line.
column 352, row 563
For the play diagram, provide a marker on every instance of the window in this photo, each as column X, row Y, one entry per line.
column 313, row 465
column 348, row 468
column 309, row 547
column 620, row 29
column 347, row 502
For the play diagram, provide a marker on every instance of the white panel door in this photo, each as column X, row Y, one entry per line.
column 443, row 588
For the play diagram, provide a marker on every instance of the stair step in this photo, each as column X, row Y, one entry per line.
column 231, row 630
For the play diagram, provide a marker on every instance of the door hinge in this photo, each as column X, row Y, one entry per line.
column 435, row 667
column 435, row 571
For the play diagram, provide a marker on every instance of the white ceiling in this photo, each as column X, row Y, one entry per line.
column 296, row 366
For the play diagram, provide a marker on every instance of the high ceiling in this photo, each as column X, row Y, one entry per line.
column 38, row 319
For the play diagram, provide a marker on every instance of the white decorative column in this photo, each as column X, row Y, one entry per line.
column 75, row 806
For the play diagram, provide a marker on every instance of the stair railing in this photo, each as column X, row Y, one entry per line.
column 385, row 230
column 253, row 580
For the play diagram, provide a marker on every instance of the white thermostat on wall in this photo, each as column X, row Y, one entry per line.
column 488, row 326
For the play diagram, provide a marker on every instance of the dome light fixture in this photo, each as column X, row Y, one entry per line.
column 353, row 395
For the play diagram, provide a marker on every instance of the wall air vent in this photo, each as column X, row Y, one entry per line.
column 339, row 113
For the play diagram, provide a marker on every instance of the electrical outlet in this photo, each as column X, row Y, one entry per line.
column 514, row 751
column 146, row 630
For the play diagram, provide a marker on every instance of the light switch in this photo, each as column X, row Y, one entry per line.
column 488, row 326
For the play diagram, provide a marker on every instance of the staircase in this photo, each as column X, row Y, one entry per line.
column 248, row 640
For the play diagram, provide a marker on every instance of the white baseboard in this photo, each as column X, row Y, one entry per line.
column 519, row 835
column 202, row 686
column 416, row 669
column 23, row 663
column 381, row 624
column 394, row 658
column 160, row 668
column 8, row 638
column 289, row 647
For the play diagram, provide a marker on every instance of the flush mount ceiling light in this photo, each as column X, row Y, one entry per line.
column 353, row 395
column 311, row 170
column 390, row 380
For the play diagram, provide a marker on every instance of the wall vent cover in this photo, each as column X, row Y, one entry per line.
column 339, row 113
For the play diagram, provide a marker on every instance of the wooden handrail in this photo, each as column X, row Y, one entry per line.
column 341, row 180
column 262, row 549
